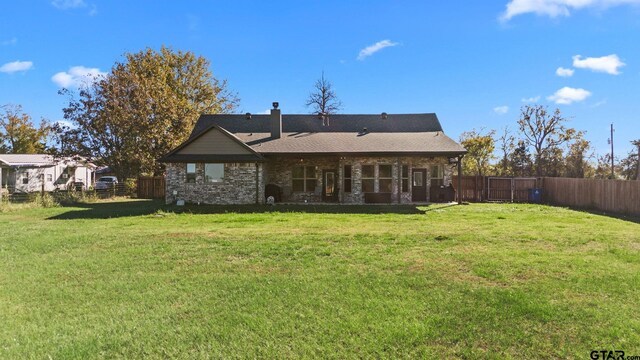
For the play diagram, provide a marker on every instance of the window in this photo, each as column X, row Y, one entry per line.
column 437, row 175
column 417, row 179
column 347, row 178
column 304, row 178
column 213, row 173
column 49, row 177
column 405, row 178
column 25, row 178
column 384, row 178
column 191, row 173
column 368, row 178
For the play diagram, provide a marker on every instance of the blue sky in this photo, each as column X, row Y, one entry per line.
column 473, row 63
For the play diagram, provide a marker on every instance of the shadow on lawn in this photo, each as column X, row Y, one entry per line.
column 116, row 209
column 625, row 217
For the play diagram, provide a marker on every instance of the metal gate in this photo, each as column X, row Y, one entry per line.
column 510, row 189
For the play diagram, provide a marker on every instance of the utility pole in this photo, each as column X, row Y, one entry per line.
column 637, row 143
column 613, row 175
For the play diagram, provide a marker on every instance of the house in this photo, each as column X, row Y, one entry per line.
column 30, row 172
column 350, row 159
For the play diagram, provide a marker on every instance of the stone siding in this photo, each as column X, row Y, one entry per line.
column 356, row 196
column 243, row 181
column 240, row 184
column 278, row 172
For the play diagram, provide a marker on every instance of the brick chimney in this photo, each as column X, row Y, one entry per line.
column 276, row 122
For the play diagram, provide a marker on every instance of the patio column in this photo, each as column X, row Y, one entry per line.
column 340, row 182
column 460, row 179
column 398, row 179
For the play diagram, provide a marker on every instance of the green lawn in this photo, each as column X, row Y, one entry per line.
column 132, row 279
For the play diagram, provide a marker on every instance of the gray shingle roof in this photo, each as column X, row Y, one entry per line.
column 310, row 123
column 305, row 134
column 352, row 142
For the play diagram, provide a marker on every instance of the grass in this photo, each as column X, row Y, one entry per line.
column 132, row 279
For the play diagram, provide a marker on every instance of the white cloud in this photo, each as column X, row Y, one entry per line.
column 555, row 8
column 599, row 103
column 568, row 95
column 16, row 66
column 372, row 49
column 562, row 72
column 68, row 4
column 501, row 110
column 534, row 99
column 77, row 76
column 609, row 64
column 11, row 41
column 265, row 112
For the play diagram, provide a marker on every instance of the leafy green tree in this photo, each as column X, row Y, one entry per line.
column 521, row 164
column 144, row 107
column 630, row 165
column 480, row 149
column 577, row 164
column 603, row 167
column 545, row 133
column 18, row 135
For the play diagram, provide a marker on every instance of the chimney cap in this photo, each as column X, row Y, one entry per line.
column 275, row 104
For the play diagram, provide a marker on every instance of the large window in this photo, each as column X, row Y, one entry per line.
column 405, row 178
column 304, row 179
column 347, row 178
column 213, row 173
column 384, row 178
column 191, row 173
column 368, row 178
column 437, row 175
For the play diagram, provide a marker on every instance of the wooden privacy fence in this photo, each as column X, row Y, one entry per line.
column 620, row 196
column 151, row 187
column 484, row 188
column 473, row 187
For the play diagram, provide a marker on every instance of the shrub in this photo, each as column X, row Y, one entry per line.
column 130, row 187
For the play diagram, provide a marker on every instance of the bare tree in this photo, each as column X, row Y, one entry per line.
column 506, row 141
column 323, row 99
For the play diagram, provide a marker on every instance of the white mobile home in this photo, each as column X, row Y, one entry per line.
column 25, row 173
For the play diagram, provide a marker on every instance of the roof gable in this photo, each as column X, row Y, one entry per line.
column 213, row 144
column 214, row 141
